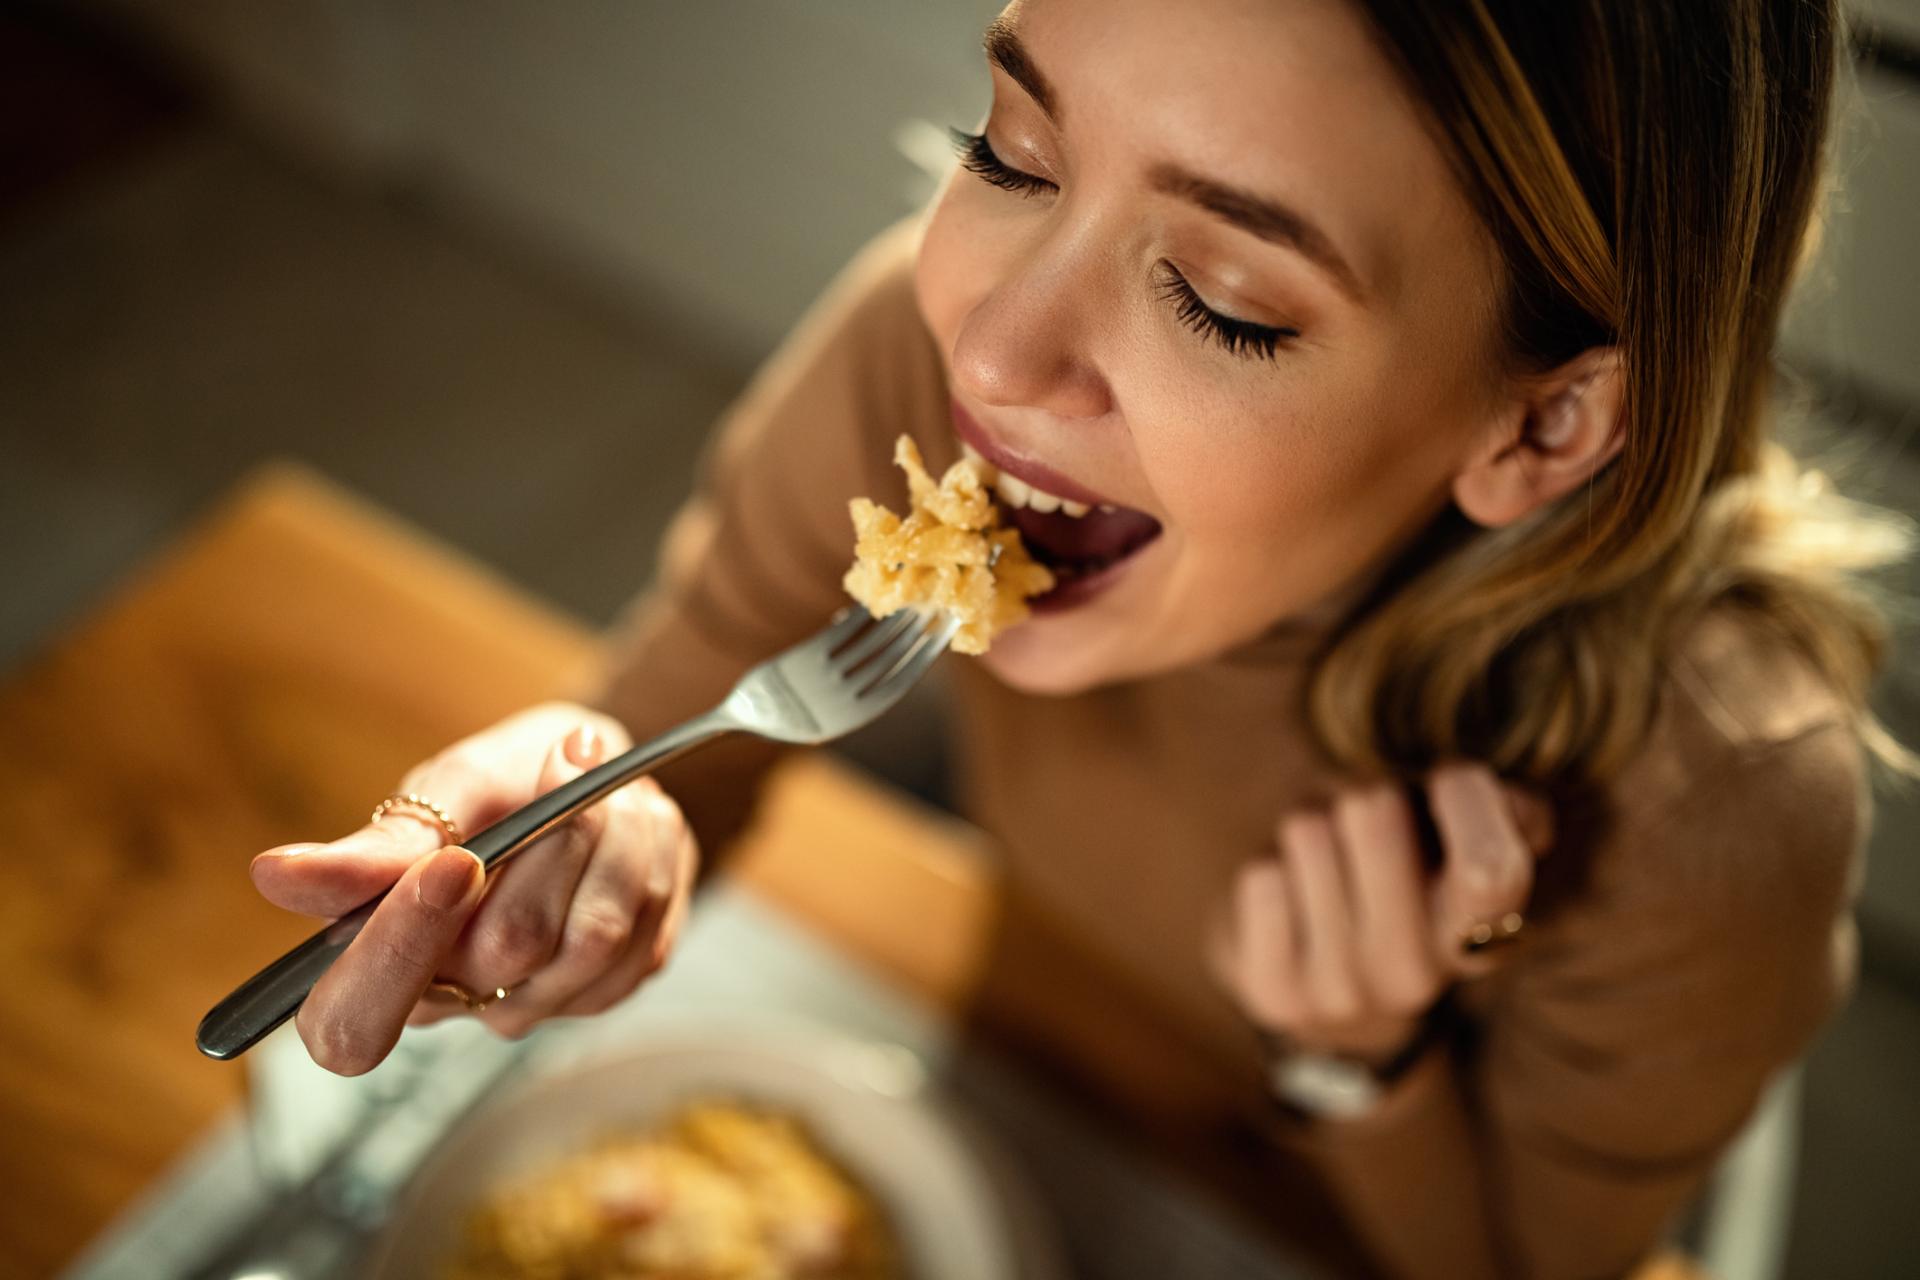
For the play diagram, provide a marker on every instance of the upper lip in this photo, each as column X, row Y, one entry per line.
column 1019, row 465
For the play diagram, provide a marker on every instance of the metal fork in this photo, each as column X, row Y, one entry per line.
column 829, row 685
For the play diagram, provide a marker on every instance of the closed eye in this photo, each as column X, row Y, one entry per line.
column 1240, row 337
column 977, row 157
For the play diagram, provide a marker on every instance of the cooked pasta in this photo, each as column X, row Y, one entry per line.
column 721, row 1191
column 947, row 553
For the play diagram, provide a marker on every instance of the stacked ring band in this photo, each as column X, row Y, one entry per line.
column 412, row 804
column 473, row 1002
column 1482, row 934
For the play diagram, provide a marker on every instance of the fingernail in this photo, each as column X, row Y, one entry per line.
column 295, row 850
column 585, row 745
column 444, row 883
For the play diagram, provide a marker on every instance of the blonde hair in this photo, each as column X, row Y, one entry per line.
column 1638, row 202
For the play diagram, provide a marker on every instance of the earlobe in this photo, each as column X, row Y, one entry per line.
column 1569, row 429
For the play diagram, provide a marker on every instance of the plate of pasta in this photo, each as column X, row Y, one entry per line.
column 719, row 1155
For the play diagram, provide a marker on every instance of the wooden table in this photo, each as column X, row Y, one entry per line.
column 263, row 680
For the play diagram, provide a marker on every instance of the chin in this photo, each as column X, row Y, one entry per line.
column 1029, row 659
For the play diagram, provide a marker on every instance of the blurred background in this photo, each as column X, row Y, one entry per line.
column 498, row 266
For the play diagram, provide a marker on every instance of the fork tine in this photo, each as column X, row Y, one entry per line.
column 882, row 636
column 845, row 624
column 914, row 664
column 889, row 659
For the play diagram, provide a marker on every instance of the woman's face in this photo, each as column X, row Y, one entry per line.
column 1148, row 163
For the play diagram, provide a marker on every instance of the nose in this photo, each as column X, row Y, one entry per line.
column 1026, row 342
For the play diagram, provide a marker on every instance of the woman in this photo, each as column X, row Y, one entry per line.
column 1411, row 363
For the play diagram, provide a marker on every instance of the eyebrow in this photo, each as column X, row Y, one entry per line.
column 1269, row 220
column 1006, row 52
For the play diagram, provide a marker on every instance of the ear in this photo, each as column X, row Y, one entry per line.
column 1555, row 434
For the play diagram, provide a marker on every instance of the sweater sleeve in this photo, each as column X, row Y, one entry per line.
column 1708, row 939
column 752, row 562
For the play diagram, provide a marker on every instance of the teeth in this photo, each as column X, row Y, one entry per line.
column 1017, row 493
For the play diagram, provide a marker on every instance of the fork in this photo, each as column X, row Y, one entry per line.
column 840, row 679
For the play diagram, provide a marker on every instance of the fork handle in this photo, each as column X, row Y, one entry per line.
column 271, row 996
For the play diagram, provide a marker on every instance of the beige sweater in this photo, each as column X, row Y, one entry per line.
column 1687, row 937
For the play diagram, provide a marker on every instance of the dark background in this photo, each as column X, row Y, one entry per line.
column 498, row 266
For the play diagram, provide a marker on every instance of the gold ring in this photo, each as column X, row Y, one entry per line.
column 473, row 1002
column 1483, row 934
column 411, row 801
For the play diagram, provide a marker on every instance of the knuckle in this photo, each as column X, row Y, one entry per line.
column 1302, row 828
column 513, row 944
column 1367, row 799
column 663, row 812
column 442, row 768
column 598, row 936
column 580, row 837
column 397, row 952
column 631, row 806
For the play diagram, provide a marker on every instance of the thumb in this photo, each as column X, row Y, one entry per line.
column 354, row 1014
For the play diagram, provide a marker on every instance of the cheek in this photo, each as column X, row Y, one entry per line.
column 1240, row 472
column 1316, row 481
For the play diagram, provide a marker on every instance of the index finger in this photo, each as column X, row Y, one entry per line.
column 332, row 878
column 354, row 1014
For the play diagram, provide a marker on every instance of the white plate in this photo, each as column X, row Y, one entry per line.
column 960, row 1209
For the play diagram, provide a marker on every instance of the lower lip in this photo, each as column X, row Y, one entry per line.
column 1077, row 591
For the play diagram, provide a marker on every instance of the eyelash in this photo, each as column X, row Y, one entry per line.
column 1238, row 337
column 978, row 158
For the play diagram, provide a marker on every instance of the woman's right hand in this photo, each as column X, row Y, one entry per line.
column 570, row 926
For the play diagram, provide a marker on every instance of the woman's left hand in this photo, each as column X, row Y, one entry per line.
column 1343, row 940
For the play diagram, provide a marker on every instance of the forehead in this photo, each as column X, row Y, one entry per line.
column 1291, row 99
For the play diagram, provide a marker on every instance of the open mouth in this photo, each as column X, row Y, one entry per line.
column 1079, row 536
